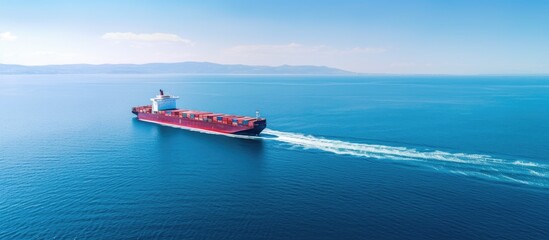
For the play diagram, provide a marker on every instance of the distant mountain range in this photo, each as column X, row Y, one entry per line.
column 181, row 68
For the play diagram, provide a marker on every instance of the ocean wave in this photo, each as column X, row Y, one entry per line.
column 530, row 164
column 479, row 166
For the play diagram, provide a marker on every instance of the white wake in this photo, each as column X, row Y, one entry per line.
column 473, row 165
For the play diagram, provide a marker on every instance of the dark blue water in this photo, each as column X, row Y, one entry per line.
column 342, row 158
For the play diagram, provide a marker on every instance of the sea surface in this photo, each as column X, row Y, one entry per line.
column 354, row 157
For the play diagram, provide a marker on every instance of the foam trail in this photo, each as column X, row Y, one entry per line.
column 473, row 165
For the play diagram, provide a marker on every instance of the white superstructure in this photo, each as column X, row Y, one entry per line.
column 163, row 102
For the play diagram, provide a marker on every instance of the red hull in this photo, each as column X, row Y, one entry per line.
column 201, row 125
column 206, row 121
column 185, row 122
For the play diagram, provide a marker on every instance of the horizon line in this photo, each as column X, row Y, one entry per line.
column 350, row 73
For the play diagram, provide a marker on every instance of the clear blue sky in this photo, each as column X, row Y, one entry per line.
column 452, row 37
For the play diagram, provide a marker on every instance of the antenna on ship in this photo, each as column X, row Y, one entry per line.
column 257, row 114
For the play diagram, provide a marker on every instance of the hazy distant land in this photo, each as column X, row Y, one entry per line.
column 180, row 68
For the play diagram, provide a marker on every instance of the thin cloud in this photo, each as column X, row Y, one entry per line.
column 145, row 37
column 53, row 54
column 267, row 49
column 7, row 36
column 367, row 50
column 290, row 48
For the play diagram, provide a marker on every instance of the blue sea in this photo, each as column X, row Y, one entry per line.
column 343, row 157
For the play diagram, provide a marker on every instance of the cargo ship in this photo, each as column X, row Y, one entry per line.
column 163, row 111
